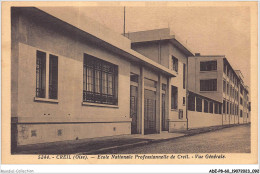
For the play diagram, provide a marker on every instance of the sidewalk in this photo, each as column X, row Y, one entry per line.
column 104, row 144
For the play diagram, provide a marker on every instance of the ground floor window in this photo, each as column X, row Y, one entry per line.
column 198, row 104
column 174, row 98
column 206, row 106
column 99, row 81
column 211, row 107
column 216, row 108
column 224, row 106
column 191, row 102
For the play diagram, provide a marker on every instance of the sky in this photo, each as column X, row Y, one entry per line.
column 206, row 30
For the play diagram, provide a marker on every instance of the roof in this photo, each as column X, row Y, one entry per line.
column 96, row 33
column 158, row 35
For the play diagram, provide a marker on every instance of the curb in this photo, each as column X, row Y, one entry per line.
column 104, row 150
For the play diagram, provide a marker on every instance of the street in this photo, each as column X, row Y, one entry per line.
column 229, row 140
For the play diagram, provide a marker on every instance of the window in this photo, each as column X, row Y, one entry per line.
column 241, row 113
column 191, row 102
column 99, row 81
column 134, row 78
column 211, row 107
column 206, row 106
column 164, row 87
column 224, row 106
column 227, row 107
column 180, row 114
column 216, row 108
column 42, row 76
column 208, row 66
column 174, row 63
column 184, row 74
column 53, row 77
column 241, row 101
column 225, row 68
column 183, row 101
column 227, row 88
column 241, row 90
column 220, row 108
column 224, row 86
column 208, row 85
column 174, row 98
column 150, row 83
column 198, row 104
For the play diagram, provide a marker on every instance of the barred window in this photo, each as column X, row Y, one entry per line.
column 53, row 77
column 208, row 85
column 40, row 74
column 99, row 81
column 208, row 66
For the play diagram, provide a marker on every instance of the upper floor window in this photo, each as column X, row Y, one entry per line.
column 174, row 63
column 208, row 65
column 208, row 85
column 99, row 81
column 44, row 63
column 224, row 86
column 225, row 68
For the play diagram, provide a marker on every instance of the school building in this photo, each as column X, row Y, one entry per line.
column 217, row 92
column 76, row 79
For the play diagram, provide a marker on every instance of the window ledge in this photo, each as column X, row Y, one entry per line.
column 209, row 71
column 208, row 91
column 174, row 110
column 46, row 100
column 99, row 105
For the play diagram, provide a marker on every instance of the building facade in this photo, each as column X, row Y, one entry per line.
column 217, row 91
column 162, row 47
column 70, row 81
column 76, row 79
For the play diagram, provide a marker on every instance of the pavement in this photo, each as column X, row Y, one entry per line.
column 106, row 144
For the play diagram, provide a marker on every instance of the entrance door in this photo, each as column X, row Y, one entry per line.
column 149, row 112
column 133, row 108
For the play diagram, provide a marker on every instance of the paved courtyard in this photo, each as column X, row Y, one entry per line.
column 229, row 140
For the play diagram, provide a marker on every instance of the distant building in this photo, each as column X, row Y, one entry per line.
column 217, row 90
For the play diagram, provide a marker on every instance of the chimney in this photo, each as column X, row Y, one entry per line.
column 197, row 54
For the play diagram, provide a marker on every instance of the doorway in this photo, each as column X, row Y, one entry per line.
column 149, row 112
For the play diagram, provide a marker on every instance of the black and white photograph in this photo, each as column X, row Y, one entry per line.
column 133, row 82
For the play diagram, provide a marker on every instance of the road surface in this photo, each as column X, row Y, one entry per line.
column 229, row 140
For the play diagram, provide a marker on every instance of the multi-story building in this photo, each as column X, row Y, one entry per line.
column 71, row 81
column 218, row 89
column 162, row 47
